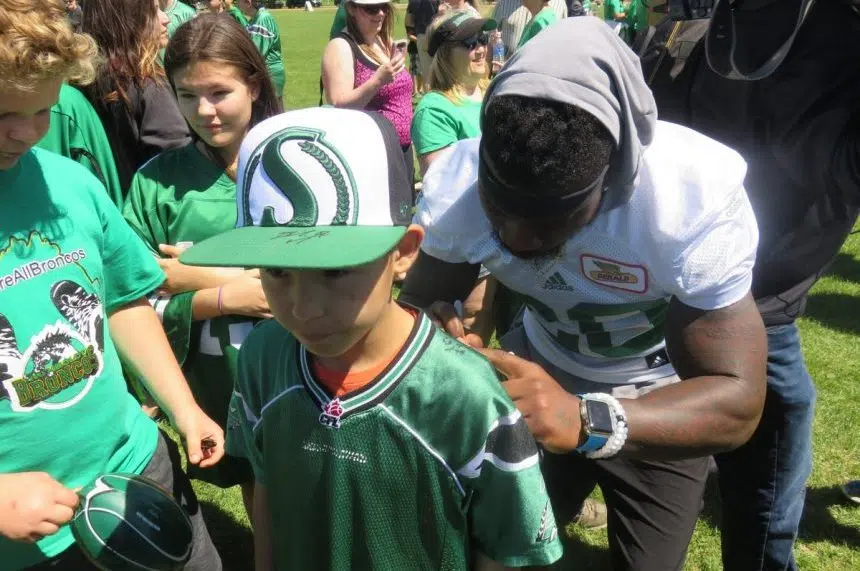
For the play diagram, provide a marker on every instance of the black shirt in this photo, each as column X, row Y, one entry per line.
column 423, row 12
column 799, row 131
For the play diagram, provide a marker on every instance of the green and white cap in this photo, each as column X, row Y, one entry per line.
column 318, row 188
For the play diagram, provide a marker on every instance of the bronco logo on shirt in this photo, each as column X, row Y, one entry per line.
column 66, row 354
column 615, row 274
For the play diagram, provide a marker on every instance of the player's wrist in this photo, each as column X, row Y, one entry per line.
column 604, row 423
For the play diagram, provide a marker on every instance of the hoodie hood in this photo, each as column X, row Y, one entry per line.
column 580, row 61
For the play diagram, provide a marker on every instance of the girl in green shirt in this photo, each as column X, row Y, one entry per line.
column 188, row 194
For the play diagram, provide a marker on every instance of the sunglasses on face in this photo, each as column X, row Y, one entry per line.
column 471, row 43
column 373, row 9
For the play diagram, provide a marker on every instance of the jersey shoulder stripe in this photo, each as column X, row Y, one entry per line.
column 259, row 385
column 260, row 31
column 510, row 447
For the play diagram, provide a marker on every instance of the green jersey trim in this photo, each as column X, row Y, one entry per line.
column 335, row 409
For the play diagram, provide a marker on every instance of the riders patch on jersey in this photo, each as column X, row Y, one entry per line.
column 613, row 273
column 597, row 307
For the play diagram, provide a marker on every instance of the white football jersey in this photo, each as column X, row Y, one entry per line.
column 598, row 307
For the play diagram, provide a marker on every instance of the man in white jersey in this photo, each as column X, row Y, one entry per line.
column 632, row 243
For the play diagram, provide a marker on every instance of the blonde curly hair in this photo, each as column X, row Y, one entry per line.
column 37, row 43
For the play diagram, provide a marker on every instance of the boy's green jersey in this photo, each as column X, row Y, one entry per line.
column 181, row 197
column 428, row 463
column 266, row 36
column 76, row 132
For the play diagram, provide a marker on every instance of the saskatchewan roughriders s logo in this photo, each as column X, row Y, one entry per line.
column 312, row 161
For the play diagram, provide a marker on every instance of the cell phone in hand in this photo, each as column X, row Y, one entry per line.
column 400, row 46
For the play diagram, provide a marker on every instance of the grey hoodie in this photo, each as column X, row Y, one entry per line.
column 580, row 61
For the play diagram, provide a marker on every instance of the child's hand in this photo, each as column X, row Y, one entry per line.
column 204, row 439
column 181, row 278
column 244, row 296
column 33, row 505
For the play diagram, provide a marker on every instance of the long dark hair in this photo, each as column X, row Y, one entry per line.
column 125, row 31
column 219, row 38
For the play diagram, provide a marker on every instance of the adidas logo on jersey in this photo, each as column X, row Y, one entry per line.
column 555, row 281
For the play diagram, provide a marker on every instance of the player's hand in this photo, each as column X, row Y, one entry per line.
column 446, row 317
column 203, row 438
column 551, row 413
column 244, row 296
column 33, row 505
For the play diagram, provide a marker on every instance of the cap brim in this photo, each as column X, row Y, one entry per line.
column 472, row 27
column 313, row 248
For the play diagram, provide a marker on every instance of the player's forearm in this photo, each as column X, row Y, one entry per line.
column 262, row 530
column 722, row 355
column 140, row 340
column 696, row 417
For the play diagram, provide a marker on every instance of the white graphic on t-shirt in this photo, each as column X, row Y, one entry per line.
column 60, row 364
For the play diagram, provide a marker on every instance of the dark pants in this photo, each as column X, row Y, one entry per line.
column 652, row 506
column 409, row 159
column 165, row 469
column 763, row 483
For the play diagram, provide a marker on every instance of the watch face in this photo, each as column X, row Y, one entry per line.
column 599, row 417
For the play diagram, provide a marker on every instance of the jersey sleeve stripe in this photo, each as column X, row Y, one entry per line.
column 509, row 447
column 249, row 414
column 159, row 304
column 426, row 446
column 273, row 401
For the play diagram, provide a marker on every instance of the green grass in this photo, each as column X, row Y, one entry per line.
column 830, row 534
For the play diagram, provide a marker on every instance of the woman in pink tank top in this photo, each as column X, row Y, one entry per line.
column 363, row 69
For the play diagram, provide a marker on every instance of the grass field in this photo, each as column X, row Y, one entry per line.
column 830, row 534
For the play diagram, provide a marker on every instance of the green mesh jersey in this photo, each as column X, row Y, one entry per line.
column 267, row 37
column 417, row 470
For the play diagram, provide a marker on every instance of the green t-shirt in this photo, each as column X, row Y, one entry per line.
column 76, row 132
column 542, row 20
column 266, row 36
column 182, row 197
column 638, row 15
column 67, row 261
column 178, row 14
column 611, row 8
column 339, row 22
column 439, row 122
column 413, row 471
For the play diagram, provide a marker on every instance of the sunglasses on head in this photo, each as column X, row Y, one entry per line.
column 471, row 43
column 373, row 9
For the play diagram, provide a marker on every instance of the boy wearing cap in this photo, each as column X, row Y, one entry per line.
column 377, row 441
